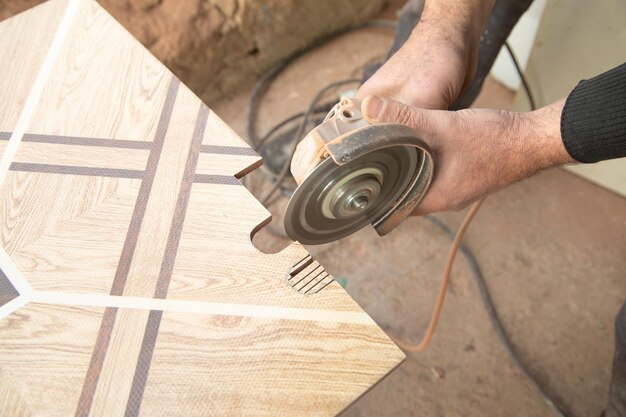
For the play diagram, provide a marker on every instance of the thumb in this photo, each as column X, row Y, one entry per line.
column 381, row 110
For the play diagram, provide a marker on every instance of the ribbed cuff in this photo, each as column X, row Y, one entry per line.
column 593, row 121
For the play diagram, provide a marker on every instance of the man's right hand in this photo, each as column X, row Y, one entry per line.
column 477, row 151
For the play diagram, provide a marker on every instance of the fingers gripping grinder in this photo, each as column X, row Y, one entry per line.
column 351, row 173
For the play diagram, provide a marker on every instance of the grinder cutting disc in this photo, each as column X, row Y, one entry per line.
column 351, row 174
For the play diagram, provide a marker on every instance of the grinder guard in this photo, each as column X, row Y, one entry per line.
column 346, row 136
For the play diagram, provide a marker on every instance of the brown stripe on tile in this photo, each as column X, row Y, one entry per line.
column 81, row 141
column 106, row 327
column 85, row 141
column 216, row 179
column 5, row 298
column 7, row 290
column 167, row 266
column 95, row 364
column 75, row 170
column 228, row 150
column 143, row 363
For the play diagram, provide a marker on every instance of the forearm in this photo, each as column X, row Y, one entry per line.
column 460, row 21
column 588, row 126
column 540, row 133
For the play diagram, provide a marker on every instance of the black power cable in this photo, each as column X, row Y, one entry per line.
column 261, row 85
column 529, row 93
column 322, row 109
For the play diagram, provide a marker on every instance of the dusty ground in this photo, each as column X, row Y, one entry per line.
column 552, row 250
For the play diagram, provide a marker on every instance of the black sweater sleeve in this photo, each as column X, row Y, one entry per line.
column 593, row 121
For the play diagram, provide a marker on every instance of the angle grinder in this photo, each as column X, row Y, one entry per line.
column 351, row 173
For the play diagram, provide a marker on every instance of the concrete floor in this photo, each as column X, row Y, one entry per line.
column 552, row 250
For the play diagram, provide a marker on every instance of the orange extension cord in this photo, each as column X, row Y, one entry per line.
column 443, row 287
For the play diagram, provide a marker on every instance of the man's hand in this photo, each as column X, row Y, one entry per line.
column 439, row 58
column 477, row 151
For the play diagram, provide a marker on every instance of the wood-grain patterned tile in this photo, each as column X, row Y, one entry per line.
column 102, row 86
column 255, row 375
column 127, row 234
column 22, row 60
column 43, row 225
column 45, row 352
